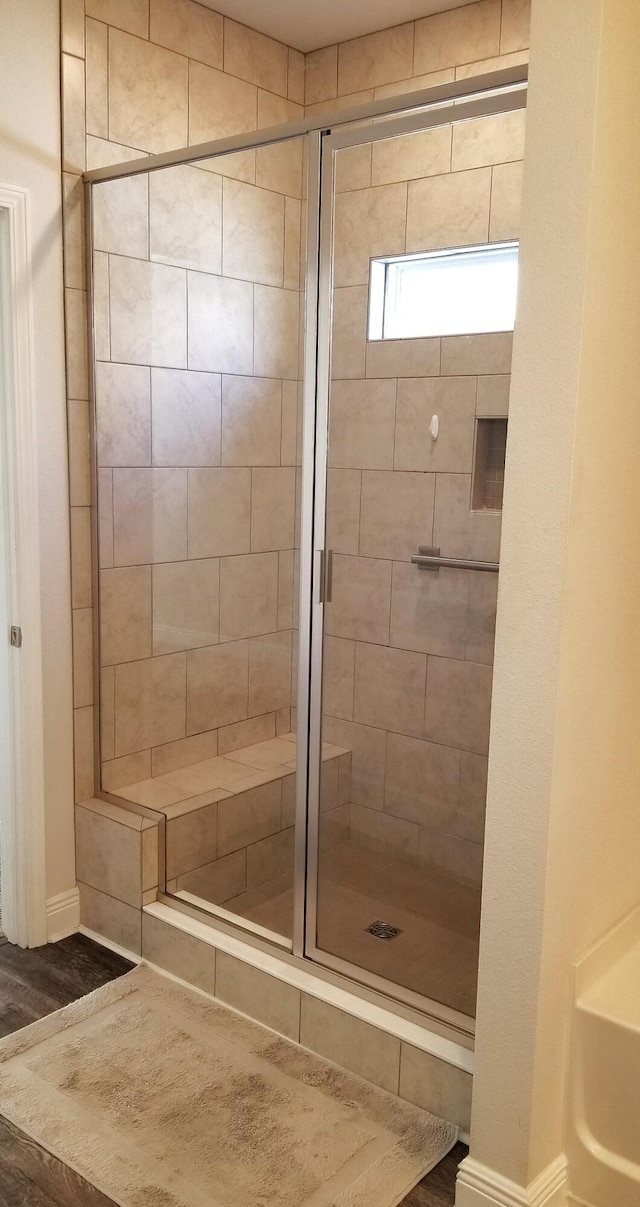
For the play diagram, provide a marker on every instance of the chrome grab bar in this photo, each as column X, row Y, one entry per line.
column 428, row 558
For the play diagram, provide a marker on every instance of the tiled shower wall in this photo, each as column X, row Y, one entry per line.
column 409, row 653
column 141, row 76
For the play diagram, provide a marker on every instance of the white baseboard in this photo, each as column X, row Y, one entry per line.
column 63, row 915
column 479, row 1186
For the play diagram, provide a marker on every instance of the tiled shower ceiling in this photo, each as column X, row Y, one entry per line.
column 308, row 25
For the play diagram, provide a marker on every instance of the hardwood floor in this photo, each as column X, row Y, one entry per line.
column 34, row 983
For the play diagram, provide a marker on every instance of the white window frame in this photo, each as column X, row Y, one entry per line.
column 22, row 798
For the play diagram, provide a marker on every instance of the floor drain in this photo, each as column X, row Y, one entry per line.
column 382, row 930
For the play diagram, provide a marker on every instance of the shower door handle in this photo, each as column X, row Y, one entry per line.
column 325, row 577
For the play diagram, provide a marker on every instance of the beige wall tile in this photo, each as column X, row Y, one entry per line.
column 248, row 595
column 129, row 769
column 112, row 919
column 390, row 689
column 189, row 28
column 270, row 858
column 148, row 313
column 186, row 411
column 415, row 82
column 361, row 599
column 251, row 421
column 219, row 880
column 481, row 618
column 422, row 781
column 455, row 857
column 289, row 437
column 107, row 713
column 269, row 672
column 352, row 167
column 154, row 794
column 109, row 856
column 361, row 424
column 473, row 796
column 219, row 512
column 74, row 241
column 368, row 753
column 121, row 217
column 295, row 76
column 412, row 156
column 396, row 513
column 516, row 19
column 285, row 588
column 83, row 753
column 429, row 611
column 506, row 200
column 82, row 657
column 448, row 211
column 471, row 354
column 246, row 733
column 125, row 614
column 321, row 75
column 496, row 63
column 436, row 1086
column 458, row 704
column 368, row 222
column 148, row 94
column 338, row 670
column 460, row 36
column 185, row 605
column 75, row 304
column 97, row 83
column 375, row 58
column 101, row 153
column 349, row 332
column 341, row 103
column 72, row 27
column 79, row 453
column 220, row 324
column 124, row 415
column 253, row 56
column 101, row 322
column 248, row 817
column 458, row 531
column 350, row 1043
column 73, row 132
column 253, row 233
column 492, row 399
column 262, row 997
column 150, row 516
column 383, row 832
column 292, row 246
column 150, row 702
column 453, row 400
column 105, row 517
column 217, row 686
column 191, row 840
column 219, row 105
column 130, row 15
column 185, row 218
column 276, row 110
column 276, row 319
column 272, row 508
column 178, row 953
column 81, row 584
column 174, row 755
column 403, row 358
column 488, row 140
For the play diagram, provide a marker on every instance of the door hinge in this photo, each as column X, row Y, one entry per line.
column 15, row 636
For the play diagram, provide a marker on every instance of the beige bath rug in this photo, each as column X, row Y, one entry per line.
column 161, row 1097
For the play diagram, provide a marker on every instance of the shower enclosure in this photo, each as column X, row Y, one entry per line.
column 299, row 460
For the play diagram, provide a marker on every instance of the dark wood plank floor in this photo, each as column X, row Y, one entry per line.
column 34, row 983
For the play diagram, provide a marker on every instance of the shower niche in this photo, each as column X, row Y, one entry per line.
column 305, row 707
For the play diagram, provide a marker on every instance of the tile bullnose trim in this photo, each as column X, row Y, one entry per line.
column 479, row 1186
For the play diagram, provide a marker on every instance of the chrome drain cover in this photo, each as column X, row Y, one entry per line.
column 382, row 930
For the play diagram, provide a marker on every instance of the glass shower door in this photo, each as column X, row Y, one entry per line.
column 418, row 398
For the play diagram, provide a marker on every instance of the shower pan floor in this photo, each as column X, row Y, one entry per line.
column 436, row 952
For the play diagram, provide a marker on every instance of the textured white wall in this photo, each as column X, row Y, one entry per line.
column 30, row 158
column 563, row 824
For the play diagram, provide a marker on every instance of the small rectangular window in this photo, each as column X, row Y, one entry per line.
column 460, row 291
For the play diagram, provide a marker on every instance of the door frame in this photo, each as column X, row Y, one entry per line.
column 22, row 799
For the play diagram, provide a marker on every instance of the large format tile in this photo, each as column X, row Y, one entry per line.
column 422, row 781
column 453, row 400
column 270, row 1001
column 185, row 751
column 385, row 833
column 191, row 839
column 125, row 614
column 396, row 513
column 463, row 35
column 412, row 156
column 148, row 313
column 248, row 595
column 472, row 354
column 201, row 777
column 251, row 421
column 185, row 218
column 181, row 954
column 458, row 704
column 253, row 56
column 449, row 211
column 186, row 604
column 321, row 75
column 270, row 858
column 220, row 324
column 114, row 920
column 457, row 530
column 350, row 1043
column 219, row 512
column 272, row 508
column 217, row 686
column 516, row 20
column 129, row 15
column 253, row 233
column 150, row 703
column 436, row 1086
column 429, row 610
column 219, row 105
column 349, row 332
column 390, row 689
column 403, row 358
column 121, row 217
column 276, row 320
column 489, row 140
column 186, row 414
column 338, row 670
column 148, row 100
column 376, row 58
column 123, row 415
column 149, row 515
column 269, row 672
column 248, row 817
column 108, row 854
column 368, row 754
column 368, row 222
column 189, row 28
column 361, row 424
column 361, row 599
column 506, row 201
column 343, row 510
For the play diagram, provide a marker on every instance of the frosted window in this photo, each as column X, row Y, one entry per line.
column 463, row 291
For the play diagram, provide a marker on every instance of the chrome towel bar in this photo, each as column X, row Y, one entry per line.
column 428, row 558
